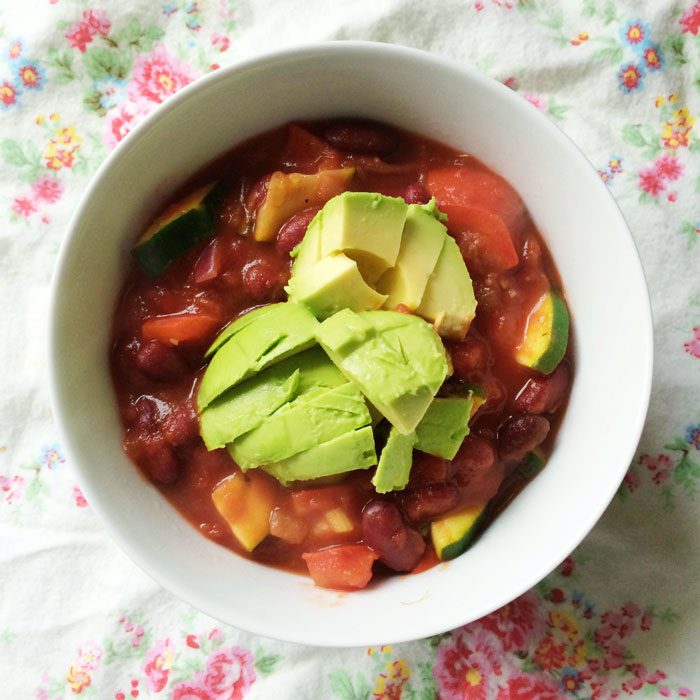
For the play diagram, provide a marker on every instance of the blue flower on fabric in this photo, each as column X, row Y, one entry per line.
column 636, row 34
column 51, row 456
column 169, row 9
column 112, row 92
column 630, row 78
column 692, row 433
column 571, row 680
column 15, row 49
column 31, row 75
column 193, row 24
column 653, row 58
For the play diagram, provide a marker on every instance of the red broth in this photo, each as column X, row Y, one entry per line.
column 229, row 273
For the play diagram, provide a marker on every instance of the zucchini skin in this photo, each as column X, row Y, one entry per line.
column 460, row 544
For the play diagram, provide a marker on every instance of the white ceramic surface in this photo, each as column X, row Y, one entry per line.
column 578, row 218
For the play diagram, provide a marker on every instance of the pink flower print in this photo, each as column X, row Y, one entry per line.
column 692, row 347
column 631, row 480
column 668, row 167
column 23, row 206
column 539, row 102
column 684, row 692
column 12, row 488
column 524, row 686
column 515, row 624
column 78, row 497
column 89, row 656
column 614, row 656
column 8, row 95
column 123, row 119
column 659, row 465
column 97, row 22
column 567, row 567
column 650, row 181
column 190, row 690
column 646, row 621
column 216, row 635
column 630, row 609
column 47, row 188
column 468, row 666
column 511, row 82
column 229, row 673
column 221, row 41
column 690, row 21
column 79, row 36
column 158, row 75
column 192, row 641
column 159, row 662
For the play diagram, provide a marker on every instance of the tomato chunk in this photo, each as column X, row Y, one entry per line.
column 179, row 328
column 346, row 567
column 307, row 153
column 320, row 501
column 483, row 207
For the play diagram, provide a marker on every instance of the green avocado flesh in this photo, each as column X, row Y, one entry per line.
column 271, row 337
column 181, row 226
column 444, row 427
column 397, row 361
column 348, row 452
column 301, row 425
column 395, row 462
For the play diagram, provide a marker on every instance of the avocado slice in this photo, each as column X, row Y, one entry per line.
column 301, row 425
column 331, row 284
column 248, row 404
column 238, row 325
column 444, row 426
column 421, row 244
column 448, row 300
column 283, row 330
column 288, row 193
column 348, row 452
column 178, row 228
column 397, row 360
column 395, row 462
column 546, row 334
column 366, row 226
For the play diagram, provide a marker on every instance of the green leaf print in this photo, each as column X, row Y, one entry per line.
column 674, row 44
column 611, row 51
column 139, row 38
column 105, row 63
column 62, row 61
column 91, row 99
column 343, row 687
column 265, row 664
column 429, row 689
column 642, row 137
column 678, row 444
column 12, row 153
column 686, row 474
column 689, row 230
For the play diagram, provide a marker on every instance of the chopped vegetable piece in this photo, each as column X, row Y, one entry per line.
column 287, row 526
column 532, row 464
column 453, row 534
column 394, row 466
column 177, row 229
column 179, row 328
column 444, row 426
column 246, row 501
column 546, row 334
column 338, row 521
column 346, row 567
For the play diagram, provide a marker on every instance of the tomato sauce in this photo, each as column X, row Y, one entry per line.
column 155, row 377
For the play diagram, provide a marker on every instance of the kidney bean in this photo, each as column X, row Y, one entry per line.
column 468, row 356
column 256, row 195
column 399, row 545
column 292, row 232
column 362, row 137
column 160, row 463
column 264, row 280
column 426, row 502
column 545, row 393
column 208, row 266
column 416, row 194
column 159, row 361
column 474, row 456
column 521, row 433
column 427, row 469
column 180, row 424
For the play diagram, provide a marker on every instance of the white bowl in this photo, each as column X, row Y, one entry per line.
column 579, row 220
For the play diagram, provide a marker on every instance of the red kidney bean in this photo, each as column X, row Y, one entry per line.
column 208, row 266
column 427, row 469
column 263, row 280
column 426, row 502
column 545, row 393
column 362, row 137
column 180, row 424
column 256, row 195
column 475, row 455
column 161, row 464
column 416, row 194
column 468, row 356
column 292, row 232
column 519, row 434
column 159, row 361
column 399, row 545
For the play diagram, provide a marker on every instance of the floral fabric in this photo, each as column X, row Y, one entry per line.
column 619, row 617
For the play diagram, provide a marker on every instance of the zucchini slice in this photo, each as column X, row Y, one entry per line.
column 546, row 334
column 177, row 229
column 478, row 397
column 454, row 533
column 532, row 464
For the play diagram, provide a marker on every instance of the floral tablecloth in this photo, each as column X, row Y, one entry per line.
column 620, row 616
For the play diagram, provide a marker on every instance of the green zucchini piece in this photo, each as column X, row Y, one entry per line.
column 532, row 464
column 454, row 533
column 177, row 229
column 546, row 334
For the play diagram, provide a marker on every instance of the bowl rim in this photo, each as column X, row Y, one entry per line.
column 315, row 51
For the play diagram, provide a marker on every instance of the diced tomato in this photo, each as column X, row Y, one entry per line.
column 307, row 153
column 179, row 328
column 287, row 526
column 208, row 266
column 483, row 206
column 346, row 567
column 315, row 501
